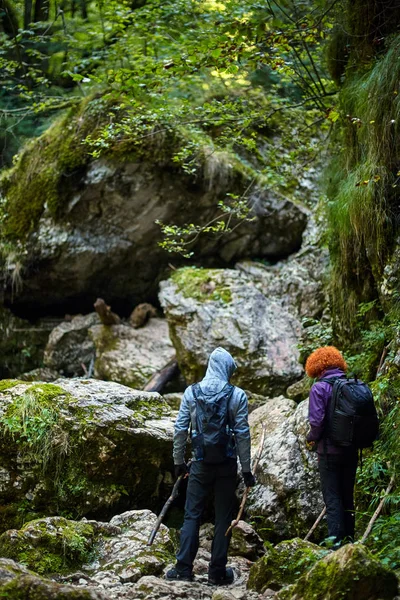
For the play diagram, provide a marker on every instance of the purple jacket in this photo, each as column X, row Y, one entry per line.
column 320, row 398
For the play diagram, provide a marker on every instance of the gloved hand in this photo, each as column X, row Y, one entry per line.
column 181, row 470
column 311, row 446
column 249, row 479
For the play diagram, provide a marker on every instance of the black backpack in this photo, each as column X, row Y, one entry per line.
column 352, row 418
column 212, row 437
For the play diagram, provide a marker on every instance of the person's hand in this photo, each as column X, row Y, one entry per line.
column 311, row 446
column 182, row 469
column 249, row 479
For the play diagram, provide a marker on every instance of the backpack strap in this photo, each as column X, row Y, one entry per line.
column 331, row 381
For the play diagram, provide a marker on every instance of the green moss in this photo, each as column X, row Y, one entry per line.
column 59, row 545
column 363, row 185
column 42, row 173
column 349, row 573
column 7, row 384
column 202, row 284
column 283, row 564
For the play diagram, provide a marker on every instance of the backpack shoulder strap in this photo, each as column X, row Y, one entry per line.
column 193, row 407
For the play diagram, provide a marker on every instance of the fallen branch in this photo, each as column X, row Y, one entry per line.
column 158, row 381
column 378, row 510
column 317, row 522
column 246, row 491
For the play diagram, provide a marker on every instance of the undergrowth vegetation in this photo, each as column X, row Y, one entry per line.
column 364, row 183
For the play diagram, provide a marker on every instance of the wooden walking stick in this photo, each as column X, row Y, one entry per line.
column 246, row 491
column 378, row 510
column 317, row 522
column 174, row 494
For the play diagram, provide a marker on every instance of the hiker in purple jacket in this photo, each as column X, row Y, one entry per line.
column 337, row 465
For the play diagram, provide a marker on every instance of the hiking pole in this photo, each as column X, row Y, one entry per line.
column 378, row 510
column 174, row 494
column 317, row 522
column 247, row 490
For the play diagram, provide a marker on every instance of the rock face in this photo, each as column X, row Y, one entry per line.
column 286, row 499
column 349, row 573
column 89, row 447
column 210, row 308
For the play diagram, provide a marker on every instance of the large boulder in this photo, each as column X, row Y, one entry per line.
column 117, row 353
column 286, row 499
column 88, row 228
column 131, row 356
column 69, row 348
column 206, row 308
column 347, row 574
column 81, row 447
column 256, row 311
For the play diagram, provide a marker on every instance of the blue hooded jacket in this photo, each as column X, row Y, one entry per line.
column 221, row 367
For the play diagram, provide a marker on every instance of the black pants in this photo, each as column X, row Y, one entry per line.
column 338, row 474
column 202, row 479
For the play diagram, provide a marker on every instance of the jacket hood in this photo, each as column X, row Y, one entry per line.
column 221, row 367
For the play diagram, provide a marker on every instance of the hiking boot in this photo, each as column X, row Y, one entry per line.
column 224, row 579
column 175, row 575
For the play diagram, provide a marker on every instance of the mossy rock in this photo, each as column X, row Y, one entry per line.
column 18, row 583
column 283, row 564
column 202, row 284
column 300, row 390
column 48, row 546
column 350, row 573
column 81, row 447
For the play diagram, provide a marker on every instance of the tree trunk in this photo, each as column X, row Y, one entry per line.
column 41, row 12
column 84, row 11
column 8, row 18
column 27, row 13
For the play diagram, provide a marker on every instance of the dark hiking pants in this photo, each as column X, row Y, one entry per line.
column 338, row 473
column 203, row 478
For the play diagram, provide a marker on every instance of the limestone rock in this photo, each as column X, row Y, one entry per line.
column 283, row 564
column 131, row 356
column 102, row 447
column 350, row 572
column 286, row 499
column 127, row 555
column 69, row 347
column 209, row 308
column 244, row 542
column 17, row 582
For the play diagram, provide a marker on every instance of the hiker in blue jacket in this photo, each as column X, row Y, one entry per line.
column 217, row 415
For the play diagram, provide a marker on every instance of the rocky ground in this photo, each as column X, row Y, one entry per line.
column 99, row 561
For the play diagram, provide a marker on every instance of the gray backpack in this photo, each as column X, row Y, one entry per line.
column 211, row 434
